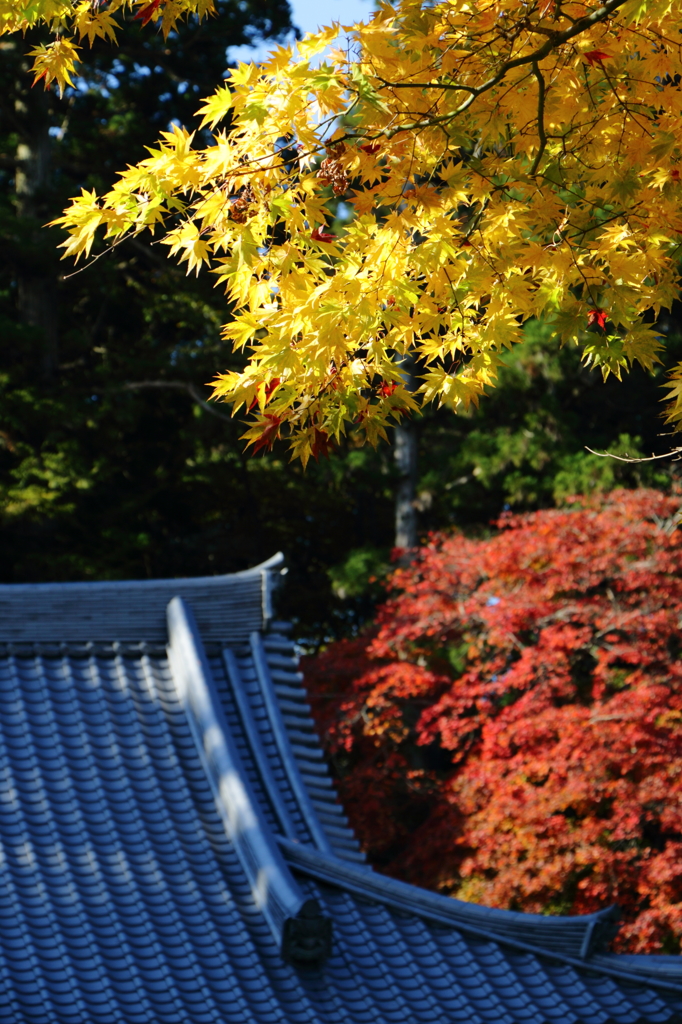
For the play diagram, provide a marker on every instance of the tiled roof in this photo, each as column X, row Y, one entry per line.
column 172, row 851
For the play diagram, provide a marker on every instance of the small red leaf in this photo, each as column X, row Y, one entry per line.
column 269, row 388
column 371, row 147
column 387, row 388
column 595, row 57
column 270, row 433
column 320, row 445
column 320, row 235
column 145, row 14
column 598, row 317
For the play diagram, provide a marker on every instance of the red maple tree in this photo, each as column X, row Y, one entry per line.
column 510, row 730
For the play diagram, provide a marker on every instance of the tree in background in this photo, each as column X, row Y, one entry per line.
column 110, row 466
column 509, row 730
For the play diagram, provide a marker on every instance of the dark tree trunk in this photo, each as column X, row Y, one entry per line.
column 405, row 455
column 36, row 274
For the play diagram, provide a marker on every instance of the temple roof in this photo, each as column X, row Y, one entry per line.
column 173, row 851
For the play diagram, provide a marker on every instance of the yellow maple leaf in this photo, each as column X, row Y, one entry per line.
column 55, row 62
column 215, row 107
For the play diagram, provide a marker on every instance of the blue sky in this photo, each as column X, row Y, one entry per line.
column 309, row 15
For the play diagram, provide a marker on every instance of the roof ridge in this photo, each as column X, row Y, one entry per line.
column 64, row 586
column 295, row 922
column 284, row 746
column 255, row 743
column 227, row 607
column 281, row 687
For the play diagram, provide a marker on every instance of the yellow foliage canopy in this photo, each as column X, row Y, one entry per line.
column 498, row 161
column 91, row 19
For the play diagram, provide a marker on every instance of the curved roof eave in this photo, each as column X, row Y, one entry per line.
column 531, row 933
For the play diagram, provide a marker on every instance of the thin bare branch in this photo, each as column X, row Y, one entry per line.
column 105, row 252
column 675, row 453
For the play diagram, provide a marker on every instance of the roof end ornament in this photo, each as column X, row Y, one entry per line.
column 271, row 572
column 601, row 929
column 307, row 938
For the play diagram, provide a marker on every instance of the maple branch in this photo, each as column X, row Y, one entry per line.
column 624, row 214
column 555, row 39
column 105, row 252
column 453, row 86
column 601, row 14
column 564, row 238
column 178, row 385
column 541, row 119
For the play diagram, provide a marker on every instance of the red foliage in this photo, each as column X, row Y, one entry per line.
column 320, row 444
column 146, row 13
column 595, row 57
column 598, row 317
column 320, row 235
column 511, row 729
column 270, row 433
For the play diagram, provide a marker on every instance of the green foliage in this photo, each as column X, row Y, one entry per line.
column 362, row 568
column 525, row 447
